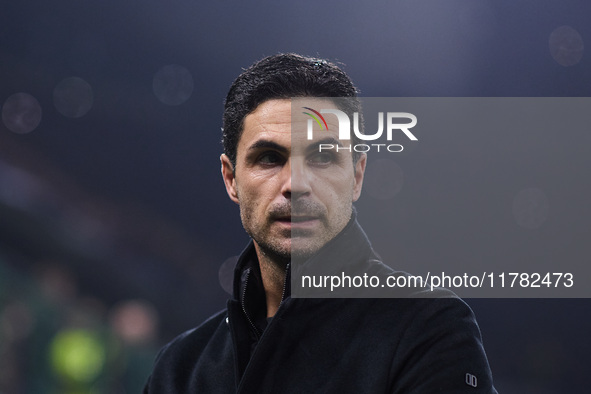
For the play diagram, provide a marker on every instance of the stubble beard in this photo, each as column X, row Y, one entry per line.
column 298, row 244
column 268, row 244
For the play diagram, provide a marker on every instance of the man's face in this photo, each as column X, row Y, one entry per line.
column 293, row 198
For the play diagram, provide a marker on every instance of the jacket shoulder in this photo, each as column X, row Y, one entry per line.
column 204, row 331
column 181, row 364
column 443, row 350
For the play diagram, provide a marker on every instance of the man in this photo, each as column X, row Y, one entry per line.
column 296, row 203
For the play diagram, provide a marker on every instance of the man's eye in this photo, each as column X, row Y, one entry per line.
column 270, row 158
column 321, row 158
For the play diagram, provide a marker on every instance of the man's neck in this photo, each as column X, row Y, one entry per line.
column 273, row 273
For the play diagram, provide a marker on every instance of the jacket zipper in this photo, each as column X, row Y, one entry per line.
column 243, row 303
column 285, row 283
column 259, row 335
column 256, row 350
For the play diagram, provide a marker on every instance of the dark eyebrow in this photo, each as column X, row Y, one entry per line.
column 269, row 145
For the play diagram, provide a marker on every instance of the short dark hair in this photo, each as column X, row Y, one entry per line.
column 283, row 76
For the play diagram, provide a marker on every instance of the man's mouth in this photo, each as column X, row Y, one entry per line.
column 300, row 221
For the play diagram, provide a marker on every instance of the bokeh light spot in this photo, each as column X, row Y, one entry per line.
column 173, row 84
column 530, row 208
column 135, row 321
column 21, row 113
column 73, row 97
column 77, row 355
column 566, row 46
column 383, row 179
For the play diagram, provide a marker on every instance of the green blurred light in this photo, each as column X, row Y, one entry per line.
column 77, row 355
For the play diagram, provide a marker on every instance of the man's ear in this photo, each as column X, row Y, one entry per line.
column 229, row 178
column 359, row 173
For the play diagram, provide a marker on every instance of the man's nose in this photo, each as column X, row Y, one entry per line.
column 297, row 179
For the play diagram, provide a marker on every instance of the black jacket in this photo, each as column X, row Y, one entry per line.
column 337, row 345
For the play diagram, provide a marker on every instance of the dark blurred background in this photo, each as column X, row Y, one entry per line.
column 115, row 230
